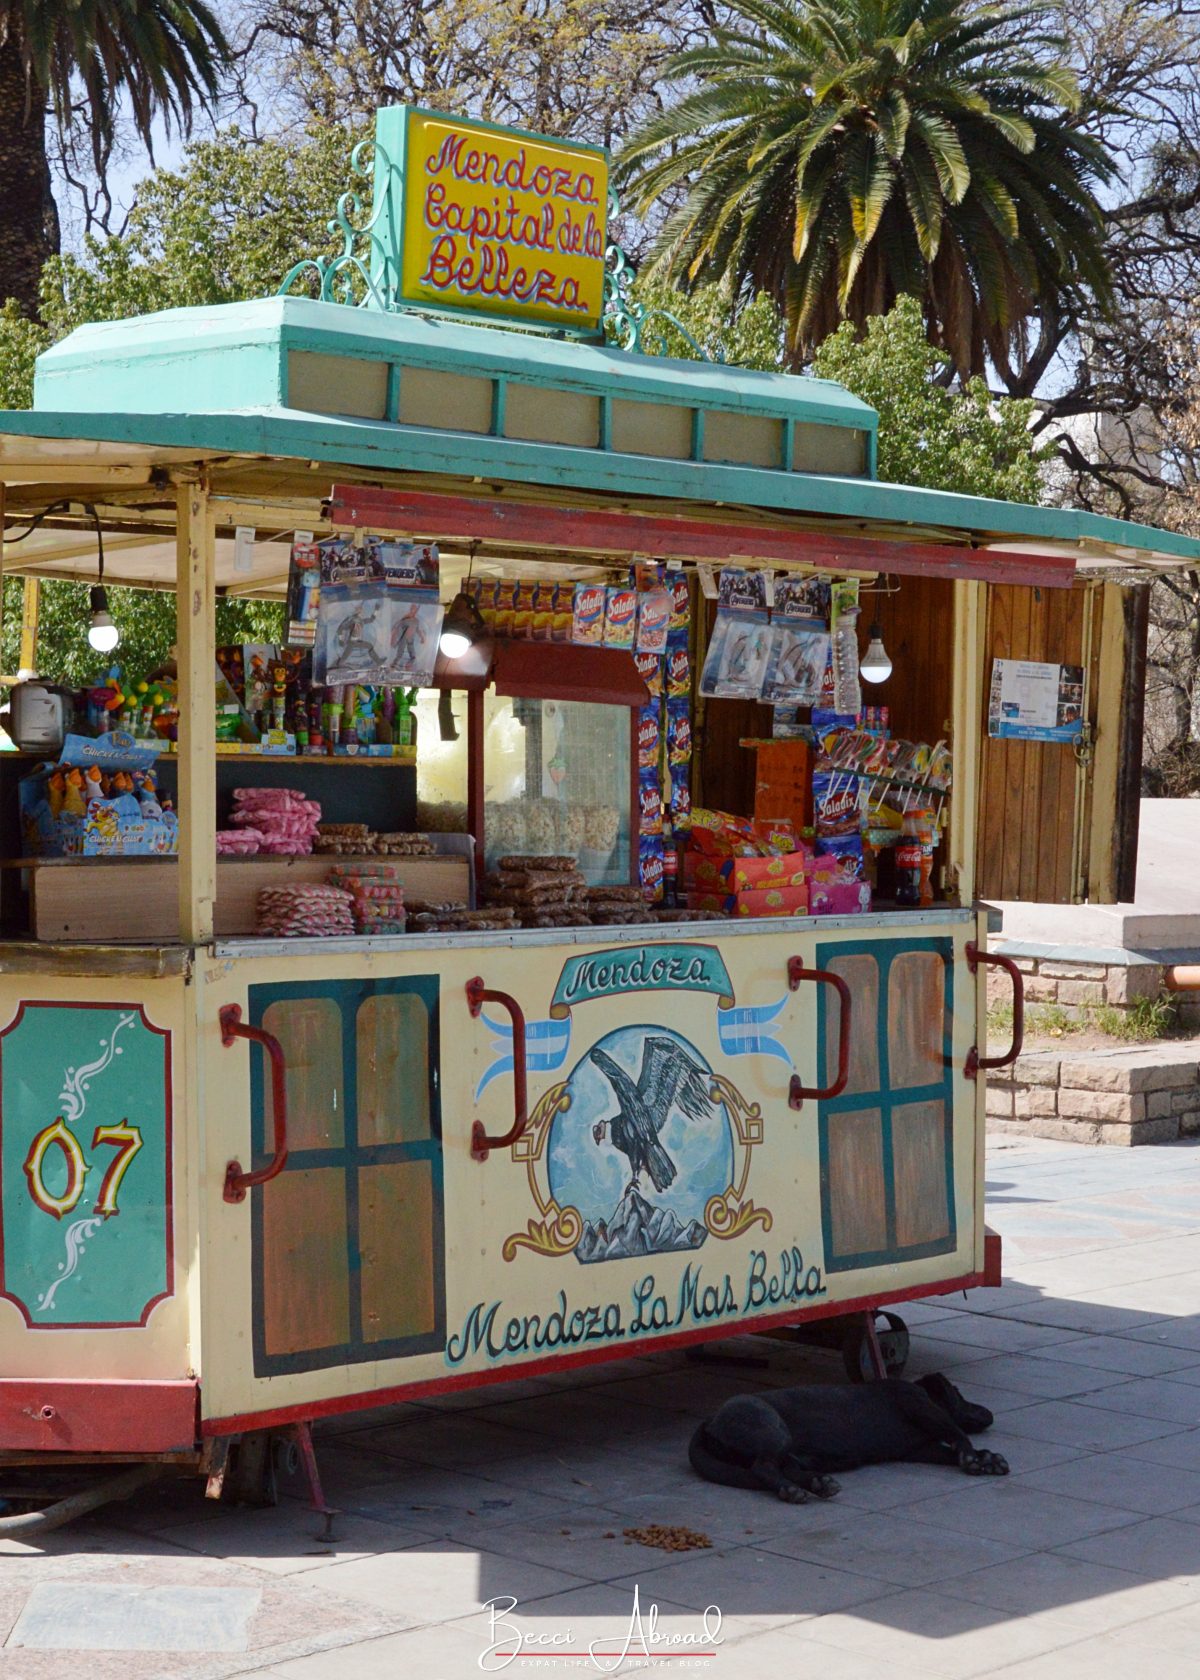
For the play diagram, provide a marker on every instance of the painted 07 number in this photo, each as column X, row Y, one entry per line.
column 123, row 1137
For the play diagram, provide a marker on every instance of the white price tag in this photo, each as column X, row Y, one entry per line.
column 243, row 548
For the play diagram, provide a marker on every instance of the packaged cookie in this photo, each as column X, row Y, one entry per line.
column 654, row 612
column 650, row 669
column 522, row 621
column 678, row 673
column 648, row 736
column 681, row 600
column 545, row 599
column 587, row 610
column 620, row 616
column 503, row 606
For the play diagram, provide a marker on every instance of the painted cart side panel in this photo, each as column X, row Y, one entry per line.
column 385, row 1255
column 97, row 1171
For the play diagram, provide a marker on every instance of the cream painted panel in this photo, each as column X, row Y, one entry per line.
column 745, row 1180
column 645, row 428
column 839, row 450
column 538, row 414
column 449, row 402
column 323, row 384
column 747, row 440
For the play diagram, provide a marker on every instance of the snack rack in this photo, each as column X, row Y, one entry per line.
column 247, row 1183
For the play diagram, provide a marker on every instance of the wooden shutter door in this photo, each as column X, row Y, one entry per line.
column 1058, row 822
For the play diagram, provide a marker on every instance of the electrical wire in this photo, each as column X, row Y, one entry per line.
column 54, row 507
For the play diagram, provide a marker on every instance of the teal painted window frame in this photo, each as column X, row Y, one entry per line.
column 349, row 996
column 885, row 1099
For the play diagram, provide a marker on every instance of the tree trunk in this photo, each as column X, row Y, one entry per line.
column 28, row 217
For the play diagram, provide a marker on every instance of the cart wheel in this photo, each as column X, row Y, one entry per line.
column 892, row 1333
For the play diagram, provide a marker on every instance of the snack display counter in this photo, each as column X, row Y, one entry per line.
column 685, row 1031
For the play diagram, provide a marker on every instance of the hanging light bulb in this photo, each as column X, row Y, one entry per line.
column 875, row 666
column 103, row 634
column 461, row 626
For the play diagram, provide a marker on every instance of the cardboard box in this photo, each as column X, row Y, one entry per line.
column 772, row 901
column 741, row 874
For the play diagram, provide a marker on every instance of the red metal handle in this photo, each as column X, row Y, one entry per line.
column 477, row 995
column 233, row 1027
column 797, row 974
column 974, row 1060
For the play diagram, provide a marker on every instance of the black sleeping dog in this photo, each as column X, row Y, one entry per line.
column 787, row 1440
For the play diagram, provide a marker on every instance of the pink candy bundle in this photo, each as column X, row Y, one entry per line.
column 238, row 842
column 285, row 821
column 296, row 912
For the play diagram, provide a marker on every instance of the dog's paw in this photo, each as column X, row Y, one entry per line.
column 976, row 1462
column 791, row 1494
column 824, row 1487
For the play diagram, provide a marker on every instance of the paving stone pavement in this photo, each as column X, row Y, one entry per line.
column 1084, row 1563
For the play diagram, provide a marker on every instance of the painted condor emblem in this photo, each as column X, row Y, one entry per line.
column 641, row 1150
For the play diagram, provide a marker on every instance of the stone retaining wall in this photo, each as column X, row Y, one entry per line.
column 1078, row 986
column 1148, row 1095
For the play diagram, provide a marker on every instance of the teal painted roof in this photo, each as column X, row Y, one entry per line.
column 216, row 380
column 233, row 356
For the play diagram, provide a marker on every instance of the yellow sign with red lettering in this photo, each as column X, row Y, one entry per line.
column 502, row 222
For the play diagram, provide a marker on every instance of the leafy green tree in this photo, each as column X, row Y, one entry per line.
column 145, row 617
column 750, row 337
column 964, row 440
column 226, row 225
column 839, row 154
column 156, row 58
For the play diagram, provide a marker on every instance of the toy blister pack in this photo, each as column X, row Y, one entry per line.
column 736, row 661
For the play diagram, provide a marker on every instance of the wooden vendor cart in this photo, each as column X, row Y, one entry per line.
column 248, row 1181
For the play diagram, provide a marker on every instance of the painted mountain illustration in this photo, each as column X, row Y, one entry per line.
column 636, row 1228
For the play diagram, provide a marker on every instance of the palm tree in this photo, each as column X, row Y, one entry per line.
column 58, row 57
column 837, row 154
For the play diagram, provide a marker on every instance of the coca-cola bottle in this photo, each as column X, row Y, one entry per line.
column 908, row 861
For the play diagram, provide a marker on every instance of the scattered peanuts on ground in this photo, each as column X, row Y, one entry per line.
column 667, row 1538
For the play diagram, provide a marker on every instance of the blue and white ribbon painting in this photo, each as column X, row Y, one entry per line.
column 546, row 1046
column 743, row 1030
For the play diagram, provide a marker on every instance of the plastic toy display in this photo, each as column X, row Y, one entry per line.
column 100, row 799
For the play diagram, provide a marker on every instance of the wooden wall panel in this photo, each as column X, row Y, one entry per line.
column 1028, row 789
column 918, row 632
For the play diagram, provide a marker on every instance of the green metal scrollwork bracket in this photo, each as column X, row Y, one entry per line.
column 347, row 277
column 624, row 319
